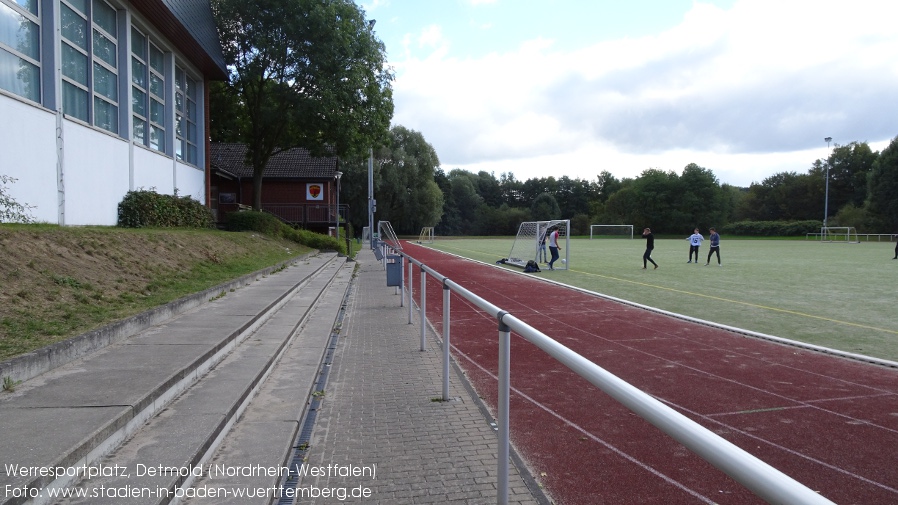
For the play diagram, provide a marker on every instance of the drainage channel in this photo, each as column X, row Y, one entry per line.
column 301, row 444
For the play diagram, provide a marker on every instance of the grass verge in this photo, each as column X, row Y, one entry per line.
column 58, row 282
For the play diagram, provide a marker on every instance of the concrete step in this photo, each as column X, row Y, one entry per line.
column 68, row 419
column 253, row 382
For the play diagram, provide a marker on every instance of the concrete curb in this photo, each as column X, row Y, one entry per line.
column 32, row 364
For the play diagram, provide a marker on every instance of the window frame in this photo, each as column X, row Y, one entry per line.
column 92, row 101
column 36, row 19
column 186, row 123
column 154, row 136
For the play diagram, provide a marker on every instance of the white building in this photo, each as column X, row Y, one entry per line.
column 100, row 97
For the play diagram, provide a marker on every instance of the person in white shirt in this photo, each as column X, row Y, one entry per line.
column 695, row 240
column 553, row 246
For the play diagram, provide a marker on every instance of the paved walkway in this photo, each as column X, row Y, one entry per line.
column 381, row 415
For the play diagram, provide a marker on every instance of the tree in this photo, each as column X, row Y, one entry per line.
column 405, row 188
column 883, row 187
column 463, row 213
column 784, row 196
column 607, row 185
column 303, row 73
column 512, row 190
column 545, row 208
column 703, row 202
column 848, row 169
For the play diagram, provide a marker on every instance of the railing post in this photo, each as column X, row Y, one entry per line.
column 401, row 286
column 503, row 407
column 410, row 289
column 446, row 295
column 423, row 308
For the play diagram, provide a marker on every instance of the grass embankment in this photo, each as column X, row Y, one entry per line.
column 58, row 282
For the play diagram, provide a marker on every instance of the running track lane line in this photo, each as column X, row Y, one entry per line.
column 802, row 404
column 604, row 443
column 694, row 369
column 710, row 419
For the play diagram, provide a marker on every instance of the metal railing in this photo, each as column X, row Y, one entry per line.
column 757, row 476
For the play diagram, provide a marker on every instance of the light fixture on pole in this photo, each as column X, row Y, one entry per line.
column 337, row 175
column 826, row 197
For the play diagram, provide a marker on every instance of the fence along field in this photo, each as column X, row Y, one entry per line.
column 834, row 295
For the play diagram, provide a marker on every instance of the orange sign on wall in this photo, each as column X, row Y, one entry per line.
column 314, row 191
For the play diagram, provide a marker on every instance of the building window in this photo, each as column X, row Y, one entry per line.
column 185, row 116
column 20, row 60
column 89, row 62
column 147, row 91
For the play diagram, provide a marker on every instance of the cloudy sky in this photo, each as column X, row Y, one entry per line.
column 746, row 88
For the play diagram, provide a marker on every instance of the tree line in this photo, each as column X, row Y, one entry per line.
column 413, row 191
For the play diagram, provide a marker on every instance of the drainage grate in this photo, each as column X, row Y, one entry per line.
column 301, row 444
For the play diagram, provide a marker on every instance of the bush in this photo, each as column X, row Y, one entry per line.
column 772, row 228
column 268, row 224
column 148, row 209
column 12, row 211
column 261, row 222
column 316, row 240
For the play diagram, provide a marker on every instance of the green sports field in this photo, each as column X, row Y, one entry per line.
column 836, row 295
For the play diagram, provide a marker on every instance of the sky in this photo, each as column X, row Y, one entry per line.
column 538, row 88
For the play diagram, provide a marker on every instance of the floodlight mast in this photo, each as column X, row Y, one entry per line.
column 826, row 196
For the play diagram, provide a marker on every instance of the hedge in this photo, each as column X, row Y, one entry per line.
column 148, row 209
column 268, row 224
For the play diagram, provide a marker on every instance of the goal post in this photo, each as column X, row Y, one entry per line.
column 610, row 231
column 527, row 243
column 426, row 235
column 839, row 234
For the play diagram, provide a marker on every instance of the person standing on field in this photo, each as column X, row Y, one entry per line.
column 553, row 246
column 895, row 236
column 649, row 245
column 695, row 240
column 715, row 246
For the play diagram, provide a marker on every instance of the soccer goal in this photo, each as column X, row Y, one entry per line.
column 843, row 234
column 611, row 231
column 426, row 236
column 528, row 243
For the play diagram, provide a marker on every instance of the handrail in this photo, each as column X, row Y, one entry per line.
column 757, row 476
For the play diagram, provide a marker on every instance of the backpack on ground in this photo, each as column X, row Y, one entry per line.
column 531, row 267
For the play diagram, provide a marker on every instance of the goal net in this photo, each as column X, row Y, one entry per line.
column 426, row 236
column 844, row 234
column 610, row 231
column 528, row 243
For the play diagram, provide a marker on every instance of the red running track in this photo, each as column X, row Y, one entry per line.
column 828, row 422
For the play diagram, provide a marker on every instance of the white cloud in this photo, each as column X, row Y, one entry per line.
column 746, row 92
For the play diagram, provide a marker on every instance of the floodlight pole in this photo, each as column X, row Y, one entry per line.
column 826, row 196
column 371, row 202
column 337, row 176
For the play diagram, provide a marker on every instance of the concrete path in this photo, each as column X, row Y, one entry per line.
column 305, row 386
column 381, row 429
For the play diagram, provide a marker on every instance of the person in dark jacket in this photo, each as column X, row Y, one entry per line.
column 649, row 245
column 715, row 247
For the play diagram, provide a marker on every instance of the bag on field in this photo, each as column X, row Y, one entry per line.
column 531, row 267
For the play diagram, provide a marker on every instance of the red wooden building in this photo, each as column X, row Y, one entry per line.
column 299, row 189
